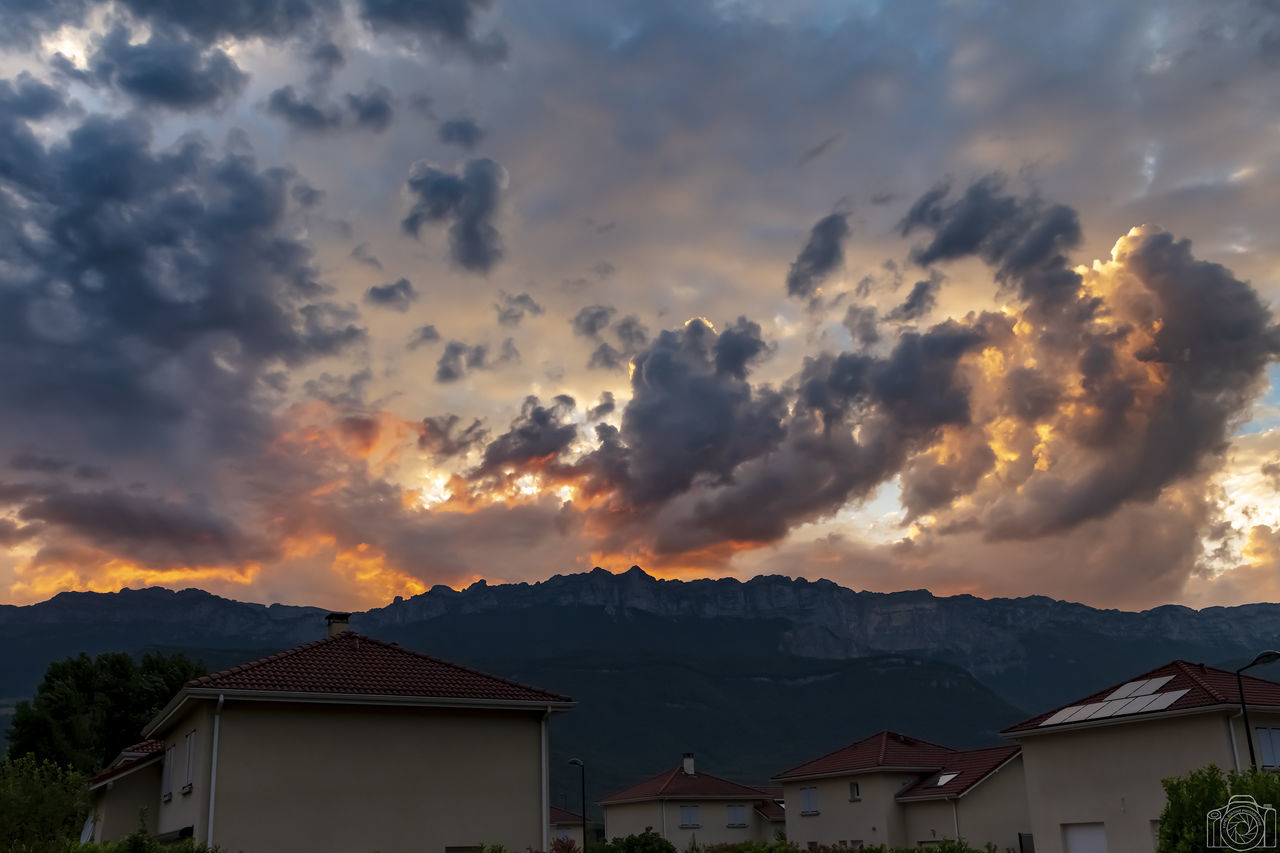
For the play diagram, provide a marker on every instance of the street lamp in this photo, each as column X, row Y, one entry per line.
column 583, row 772
column 1263, row 657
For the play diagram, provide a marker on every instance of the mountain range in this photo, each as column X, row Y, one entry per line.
column 752, row 676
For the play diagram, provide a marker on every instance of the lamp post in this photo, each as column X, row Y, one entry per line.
column 1263, row 657
column 583, row 773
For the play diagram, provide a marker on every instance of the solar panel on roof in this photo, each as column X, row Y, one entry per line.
column 1136, row 704
column 1059, row 716
column 1084, row 712
column 1109, row 708
column 1164, row 700
column 1125, row 690
column 1152, row 685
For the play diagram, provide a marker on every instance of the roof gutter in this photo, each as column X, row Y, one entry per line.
column 143, row 762
column 188, row 693
column 784, row 777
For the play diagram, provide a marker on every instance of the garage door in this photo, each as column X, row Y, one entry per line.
column 1084, row 838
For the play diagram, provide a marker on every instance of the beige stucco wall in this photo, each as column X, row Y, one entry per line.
column 190, row 808
column 631, row 818
column 1111, row 774
column 572, row 832
column 349, row 778
column 873, row 819
column 993, row 811
column 125, row 803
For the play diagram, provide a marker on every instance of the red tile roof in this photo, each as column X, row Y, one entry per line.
column 969, row 768
column 564, row 817
column 130, row 758
column 881, row 751
column 676, row 784
column 352, row 664
column 771, row 811
column 1202, row 687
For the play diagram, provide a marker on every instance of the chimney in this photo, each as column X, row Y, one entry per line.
column 688, row 764
column 338, row 622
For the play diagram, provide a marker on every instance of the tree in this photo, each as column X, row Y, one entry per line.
column 646, row 842
column 42, row 805
column 1204, row 796
column 88, row 709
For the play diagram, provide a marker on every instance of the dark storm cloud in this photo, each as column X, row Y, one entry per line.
column 591, row 320
column 398, row 296
column 512, row 309
column 606, row 357
column 237, row 19
column 168, row 71
column 422, row 336
column 468, row 202
column 140, row 525
column 325, row 58
column 538, row 434
column 29, row 99
column 1029, row 394
column 463, row 132
column 371, row 109
column 11, row 534
column 1024, row 239
column 922, row 299
column 632, row 333
column 823, row 253
column 150, row 286
column 306, row 195
column 25, row 21
column 862, row 324
column 444, row 437
column 449, row 21
column 605, row 407
column 301, row 113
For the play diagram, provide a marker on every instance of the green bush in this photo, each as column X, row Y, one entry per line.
column 1189, row 799
column 42, row 805
column 646, row 842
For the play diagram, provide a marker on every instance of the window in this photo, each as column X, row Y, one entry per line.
column 808, row 801
column 190, row 762
column 945, row 778
column 1268, row 741
column 855, row 793
column 689, row 817
column 166, row 786
column 737, row 816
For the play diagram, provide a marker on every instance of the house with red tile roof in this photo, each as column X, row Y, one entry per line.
column 684, row 804
column 349, row 744
column 566, row 826
column 126, row 794
column 1093, row 767
column 892, row 789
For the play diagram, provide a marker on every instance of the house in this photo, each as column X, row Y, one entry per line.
column 126, row 795
column 344, row 744
column 1093, row 767
column 683, row 805
column 566, row 826
column 906, row 792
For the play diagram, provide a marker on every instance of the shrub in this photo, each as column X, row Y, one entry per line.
column 646, row 842
column 1190, row 799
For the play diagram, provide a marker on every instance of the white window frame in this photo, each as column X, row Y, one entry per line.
column 855, row 792
column 809, row 801
column 190, row 762
column 166, row 783
column 736, row 816
column 689, row 816
column 1267, row 739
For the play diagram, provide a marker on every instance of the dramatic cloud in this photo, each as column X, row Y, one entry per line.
column 309, row 116
column 458, row 358
column 512, row 309
column 449, row 21
column 820, row 256
column 169, row 72
column 371, row 109
column 590, row 321
column 468, row 201
column 422, row 336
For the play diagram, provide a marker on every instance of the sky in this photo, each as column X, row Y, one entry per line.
column 332, row 301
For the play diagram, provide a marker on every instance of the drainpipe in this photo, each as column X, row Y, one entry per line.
column 1235, row 749
column 213, row 768
column 662, row 807
column 546, row 801
column 955, row 816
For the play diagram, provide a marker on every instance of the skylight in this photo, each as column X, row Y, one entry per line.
column 945, row 778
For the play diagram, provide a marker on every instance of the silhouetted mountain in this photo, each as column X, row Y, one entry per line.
column 753, row 676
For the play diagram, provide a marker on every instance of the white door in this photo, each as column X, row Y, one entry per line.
column 1084, row 838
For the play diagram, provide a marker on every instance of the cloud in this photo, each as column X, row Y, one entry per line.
column 303, row 114
column 422, row 336
column 398, row 296
column 821, row 255
column 922, row 299
column 591, row 320
column 468, row 201
column 371, row 109
column 512, row 309
column 448, row 21
column 29, row 99
column 364, row 254
column 444, row 437
column 463, row 132
column 458, row 358
column 167, row 71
